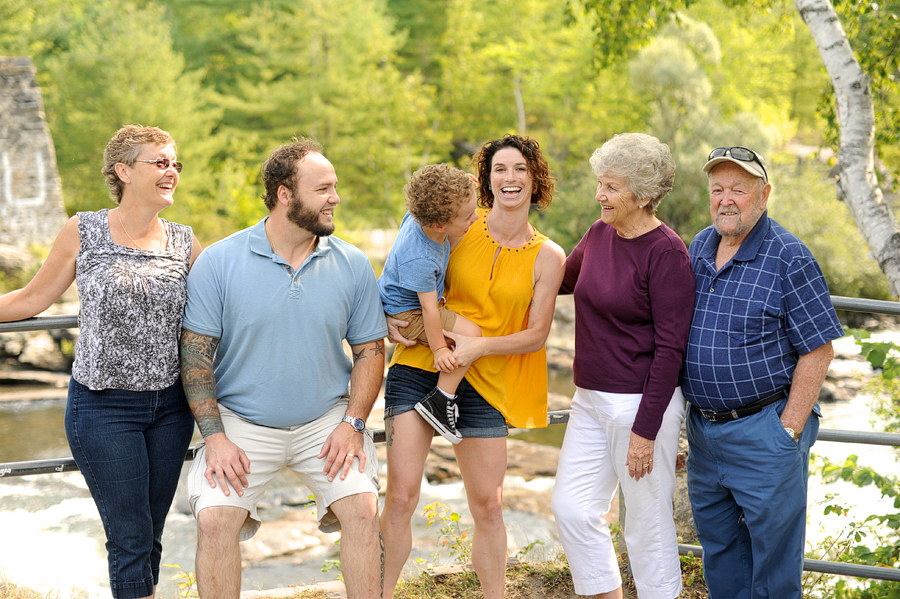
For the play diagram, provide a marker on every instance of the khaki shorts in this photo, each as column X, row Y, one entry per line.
column 270, row 449
column 416, row 329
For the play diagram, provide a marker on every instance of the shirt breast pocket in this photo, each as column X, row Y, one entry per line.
column 751, row 320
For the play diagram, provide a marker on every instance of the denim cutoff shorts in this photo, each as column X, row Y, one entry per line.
column 405, row 386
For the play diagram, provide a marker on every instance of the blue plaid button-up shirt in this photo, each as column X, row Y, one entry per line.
column 754, row 318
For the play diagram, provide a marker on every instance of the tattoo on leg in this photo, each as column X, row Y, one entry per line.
column 381, row 543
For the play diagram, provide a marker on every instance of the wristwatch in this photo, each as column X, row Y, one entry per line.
column 358, row 424
column 791, row 432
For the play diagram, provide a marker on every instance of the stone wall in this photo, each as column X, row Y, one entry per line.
column 31, row 205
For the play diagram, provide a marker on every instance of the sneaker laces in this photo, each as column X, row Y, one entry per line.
column 452, row 413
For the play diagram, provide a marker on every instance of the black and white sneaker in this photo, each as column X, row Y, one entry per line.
column 441, row 413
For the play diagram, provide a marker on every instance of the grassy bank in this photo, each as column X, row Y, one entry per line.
column 545, row 580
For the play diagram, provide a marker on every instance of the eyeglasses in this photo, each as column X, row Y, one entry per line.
column 164, row 164
column 739, row 153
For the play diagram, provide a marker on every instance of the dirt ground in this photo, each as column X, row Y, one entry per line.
column 552, row 581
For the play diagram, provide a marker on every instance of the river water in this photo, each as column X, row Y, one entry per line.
column 52, row 539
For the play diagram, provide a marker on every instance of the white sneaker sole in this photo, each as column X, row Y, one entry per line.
column 438, row 426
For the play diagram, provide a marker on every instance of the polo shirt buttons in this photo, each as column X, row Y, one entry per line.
column 712, row 289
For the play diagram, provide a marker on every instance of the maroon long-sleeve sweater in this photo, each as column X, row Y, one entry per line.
column 634, row 299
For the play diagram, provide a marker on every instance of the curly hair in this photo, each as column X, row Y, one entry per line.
column 124, row 147
column 280, row 168
column 643, row 161
column 541, row 195
column 436, row 192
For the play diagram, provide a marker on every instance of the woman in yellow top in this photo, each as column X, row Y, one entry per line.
column 503, row 276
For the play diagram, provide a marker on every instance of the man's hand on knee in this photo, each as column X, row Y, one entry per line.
column 341, row 446
column 225, row 461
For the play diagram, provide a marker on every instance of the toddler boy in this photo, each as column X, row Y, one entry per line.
column 441, row 202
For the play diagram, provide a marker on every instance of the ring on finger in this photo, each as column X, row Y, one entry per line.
column 349, row 455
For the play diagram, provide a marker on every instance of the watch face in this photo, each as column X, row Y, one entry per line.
column 358, row 424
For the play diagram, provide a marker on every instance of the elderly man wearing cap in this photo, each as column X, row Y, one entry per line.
column 758, row 351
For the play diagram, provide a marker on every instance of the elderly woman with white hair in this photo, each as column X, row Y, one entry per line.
column 634, row 298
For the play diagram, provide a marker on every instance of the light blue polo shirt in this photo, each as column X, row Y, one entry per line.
column 415, row 264
column 280, row 359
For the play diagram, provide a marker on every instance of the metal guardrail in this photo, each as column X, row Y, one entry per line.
column 825, row 567
column 851, row 304
column 553, row 417
column 41, row 323
column 49, row 466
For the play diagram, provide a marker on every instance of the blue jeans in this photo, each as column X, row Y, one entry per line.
column 747, row 485
column 405, row 386
column 130, row 447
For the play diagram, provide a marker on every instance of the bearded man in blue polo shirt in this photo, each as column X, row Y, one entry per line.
column 269, row 383
column 758, row 352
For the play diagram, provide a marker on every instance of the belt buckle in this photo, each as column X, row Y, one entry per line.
column 709, row 415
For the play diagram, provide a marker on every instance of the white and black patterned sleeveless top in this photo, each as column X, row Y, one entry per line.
column 132, row 303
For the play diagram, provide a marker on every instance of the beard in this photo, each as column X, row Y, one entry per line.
column 742, row 227
column 308, row 219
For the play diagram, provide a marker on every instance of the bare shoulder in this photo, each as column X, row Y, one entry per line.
column 196, row 248
column 551, row 256
column 69, row 240
column 550, row 267
column 71, row 224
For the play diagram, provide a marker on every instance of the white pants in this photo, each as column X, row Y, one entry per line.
column 591, row 466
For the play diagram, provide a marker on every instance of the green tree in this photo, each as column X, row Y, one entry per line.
column 423, row 25
column 874, row 32
column 532, row 78
column 326, row 69
column 806, row 206
column 106, row 64
column 674, row 77
column 520, row 70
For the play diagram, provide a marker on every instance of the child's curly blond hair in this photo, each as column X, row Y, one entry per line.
column 436, row 192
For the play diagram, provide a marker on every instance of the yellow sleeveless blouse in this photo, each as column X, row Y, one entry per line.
column 496, row 295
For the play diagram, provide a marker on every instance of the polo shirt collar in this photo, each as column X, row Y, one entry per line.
column 754, row 240
column 749, row 247
column 259, row 243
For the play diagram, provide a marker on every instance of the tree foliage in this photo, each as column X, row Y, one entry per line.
column 874, row 28
column 806, row 206
column 389, row 85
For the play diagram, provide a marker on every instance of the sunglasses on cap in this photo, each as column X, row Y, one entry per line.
column 164, row 163
column 739, row 153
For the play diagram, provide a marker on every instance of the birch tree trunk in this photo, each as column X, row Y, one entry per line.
column 857, row 180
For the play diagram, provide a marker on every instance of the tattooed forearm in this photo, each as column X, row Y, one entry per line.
column 199, row 380
column 206, row 413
